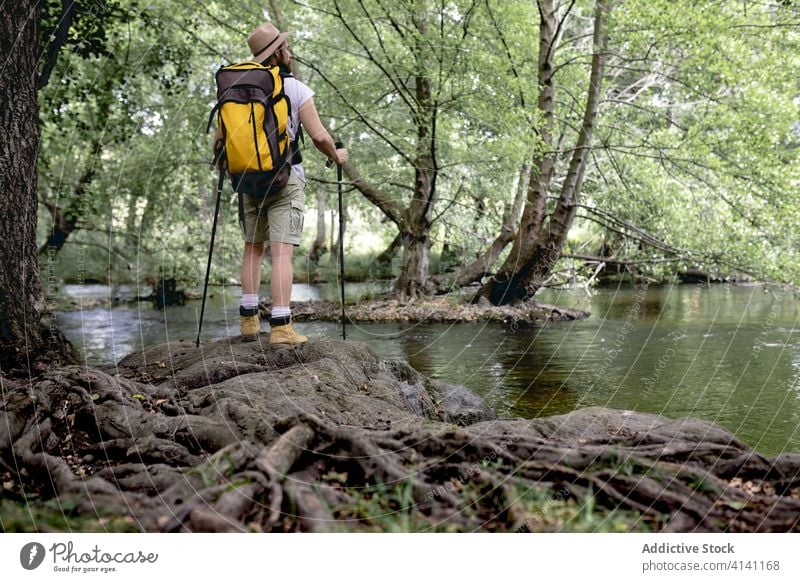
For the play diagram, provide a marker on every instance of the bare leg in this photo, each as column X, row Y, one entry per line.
column 281, row 331
column 251, row 267
column 281, row 281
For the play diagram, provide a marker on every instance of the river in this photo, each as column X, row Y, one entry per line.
column 729, row 354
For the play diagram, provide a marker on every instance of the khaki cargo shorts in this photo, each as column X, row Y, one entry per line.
column 277, row 218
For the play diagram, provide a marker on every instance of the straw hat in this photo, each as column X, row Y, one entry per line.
column 265, row 40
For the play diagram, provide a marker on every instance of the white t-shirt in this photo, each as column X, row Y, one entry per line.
column 298, row 93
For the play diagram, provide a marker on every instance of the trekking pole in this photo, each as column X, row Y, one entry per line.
column 339, row 145
column 210, row 252
column 341, row 246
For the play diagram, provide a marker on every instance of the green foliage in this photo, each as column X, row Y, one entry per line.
column 696, row 143
column 391, row 508
column 87, row 35
column 365, row 87
column 217, row 471
column 700, row 131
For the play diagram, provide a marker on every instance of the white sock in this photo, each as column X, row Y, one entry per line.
column 281, row 312
column 249, row 300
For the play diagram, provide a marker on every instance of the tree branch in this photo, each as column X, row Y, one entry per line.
column 402, row 91
column 57, row 40
column 360, row 116
column 388, row 206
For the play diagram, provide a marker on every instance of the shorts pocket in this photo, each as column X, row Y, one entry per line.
column 296, row 218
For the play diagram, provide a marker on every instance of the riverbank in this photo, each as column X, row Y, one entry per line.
column 329, row 437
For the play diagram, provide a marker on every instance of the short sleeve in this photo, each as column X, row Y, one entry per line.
column 298, row 93
column 304, row 93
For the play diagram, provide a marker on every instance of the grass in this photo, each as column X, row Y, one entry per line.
column 392, row 508
column 59, row 515
column 358, row 268
column 556, row 511
column 377, row 508
column 385, row 508
column 216, row 470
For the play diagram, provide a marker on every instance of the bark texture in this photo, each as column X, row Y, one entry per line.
column 21, row 296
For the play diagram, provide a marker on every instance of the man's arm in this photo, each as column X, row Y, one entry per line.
column 323, row 141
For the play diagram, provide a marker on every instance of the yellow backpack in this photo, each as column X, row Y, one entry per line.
column 253, row 116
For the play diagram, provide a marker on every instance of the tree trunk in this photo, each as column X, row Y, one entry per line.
column 59, row 37
column 21, row 297
column 416, row 257
column 66, row 222
column 279, row 20
column 508, row 231
column 319, row 247
column 335, row 228
column 450, row 257
column 538, row 246
column 413, row 278
column 385, row 258
column 277, row 16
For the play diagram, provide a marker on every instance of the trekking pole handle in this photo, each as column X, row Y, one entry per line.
column 339, row 145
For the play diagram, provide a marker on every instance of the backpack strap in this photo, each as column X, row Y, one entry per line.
column 211, row 115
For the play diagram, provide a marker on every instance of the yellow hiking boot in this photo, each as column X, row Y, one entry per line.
column 250, row 324
column 286, row 335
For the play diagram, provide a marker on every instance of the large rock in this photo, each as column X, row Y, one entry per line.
column 343, row 382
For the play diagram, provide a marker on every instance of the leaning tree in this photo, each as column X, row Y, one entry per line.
column 537, row 246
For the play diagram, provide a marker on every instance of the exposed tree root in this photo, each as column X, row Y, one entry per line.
column 237, row 437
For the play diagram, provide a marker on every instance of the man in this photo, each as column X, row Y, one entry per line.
column 279, row 217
